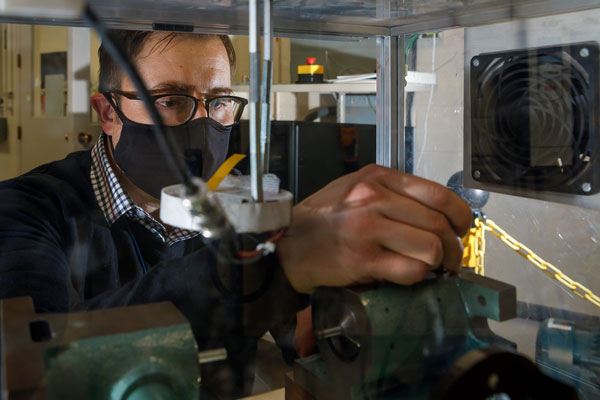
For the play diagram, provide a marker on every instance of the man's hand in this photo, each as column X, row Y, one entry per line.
column 374, row 224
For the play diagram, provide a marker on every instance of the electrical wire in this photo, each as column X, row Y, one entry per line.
column 230, row 295
column 411, row 64
column 261, row 248
column 165, row 142
column 430, row 97
column 410, row 43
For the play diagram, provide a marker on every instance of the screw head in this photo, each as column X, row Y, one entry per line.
column 584, row 52
column 476, row 174
column 586, row 187
column 476, row 62
column 493, row 381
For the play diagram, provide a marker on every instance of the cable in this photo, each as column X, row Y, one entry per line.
column 319, row 112
column 410, row 43
column 428, row 105
column 165, row 141
column 268, row 246
column 411, row 63
column 139, row 253
column 231, row 295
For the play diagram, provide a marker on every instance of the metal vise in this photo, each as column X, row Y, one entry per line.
column 429, row 340
column 130, row 353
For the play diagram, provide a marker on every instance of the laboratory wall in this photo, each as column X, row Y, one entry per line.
column 341, row 56
column 46, row 81
column 9, row 76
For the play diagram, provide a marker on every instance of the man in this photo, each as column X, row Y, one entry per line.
column 83, row 233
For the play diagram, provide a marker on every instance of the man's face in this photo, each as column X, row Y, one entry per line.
column 187, row 65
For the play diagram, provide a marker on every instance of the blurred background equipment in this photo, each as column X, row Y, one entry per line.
column 571, row 355
column 306, row 156
column 311, row 72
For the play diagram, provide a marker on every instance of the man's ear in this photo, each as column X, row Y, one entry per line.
column 105, row 111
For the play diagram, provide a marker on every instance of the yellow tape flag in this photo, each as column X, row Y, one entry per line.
column 224, row 170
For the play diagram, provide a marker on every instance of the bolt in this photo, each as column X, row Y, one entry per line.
column 333, row 332
column 584, row 52
column 476, row 174
column 481, row 301
column 475, row 62
column 329, row 332
column 586, row 187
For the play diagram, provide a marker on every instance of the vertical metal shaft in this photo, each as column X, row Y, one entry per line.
column 267, row 79
column 390, row 101
column 341, row 108
column 255, row 154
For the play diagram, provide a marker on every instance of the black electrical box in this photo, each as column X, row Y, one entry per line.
column 306, row 156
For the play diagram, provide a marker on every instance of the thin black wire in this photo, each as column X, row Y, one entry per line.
column 222, row 259
column 118, row 54
column 168, row 146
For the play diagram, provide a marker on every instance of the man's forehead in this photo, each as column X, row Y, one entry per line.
column 185, row 63
column 173, row 86
column 159, row 42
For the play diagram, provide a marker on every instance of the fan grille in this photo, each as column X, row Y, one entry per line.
column 534, row 118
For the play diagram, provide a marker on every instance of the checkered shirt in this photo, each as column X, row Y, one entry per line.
column 115, row 203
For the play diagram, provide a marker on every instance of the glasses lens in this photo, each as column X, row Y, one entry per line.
column 174, row 109
column 225, row 110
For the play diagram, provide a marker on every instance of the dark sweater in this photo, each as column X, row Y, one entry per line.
column 56, row 246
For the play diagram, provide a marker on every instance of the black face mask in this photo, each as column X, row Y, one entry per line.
column 202, row 145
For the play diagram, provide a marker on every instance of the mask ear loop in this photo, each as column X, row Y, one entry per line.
column 112, row 146
column 112, row 152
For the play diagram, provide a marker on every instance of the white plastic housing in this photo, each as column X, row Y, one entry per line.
column 244, row 215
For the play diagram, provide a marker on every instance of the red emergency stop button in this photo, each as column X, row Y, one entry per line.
column 311, row 60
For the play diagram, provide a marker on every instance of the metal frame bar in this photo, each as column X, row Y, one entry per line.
column 267, row 80
column 254, row 104
column 390, row 102
column 388, row 18
column 487, row 14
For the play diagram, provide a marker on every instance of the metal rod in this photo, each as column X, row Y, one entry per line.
column 341, row 108
column 255, row 154
column 267, row 30
column 267, row 80
column 328, row 333
column 209, row 356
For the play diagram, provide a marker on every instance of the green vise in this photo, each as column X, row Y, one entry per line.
column 401, row 339
column 129, row 353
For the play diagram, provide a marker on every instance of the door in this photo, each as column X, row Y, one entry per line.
column 54, row 107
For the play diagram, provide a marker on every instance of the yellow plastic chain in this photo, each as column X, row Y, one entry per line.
column 474, row 244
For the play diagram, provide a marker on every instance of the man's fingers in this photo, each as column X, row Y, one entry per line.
column 430, row 194
column 437, row 197
column 409, row 241
column 397, row 268
column 411, row 212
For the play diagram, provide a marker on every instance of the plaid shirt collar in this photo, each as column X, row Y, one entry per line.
column 115, row 203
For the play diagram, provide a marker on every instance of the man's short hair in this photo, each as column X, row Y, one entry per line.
column 133, row 42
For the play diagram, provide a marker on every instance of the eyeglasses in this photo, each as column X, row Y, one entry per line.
column 178, row 109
